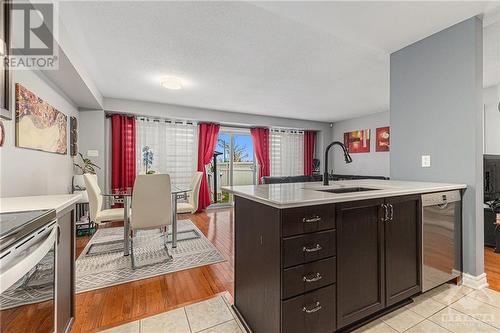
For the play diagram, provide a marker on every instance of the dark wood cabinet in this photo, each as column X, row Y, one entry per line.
column 324, row 267
column 403, row 232
column 257, row 265
column 360, row 260
column 378, row 255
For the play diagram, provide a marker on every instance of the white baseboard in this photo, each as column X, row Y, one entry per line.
column 474, row 282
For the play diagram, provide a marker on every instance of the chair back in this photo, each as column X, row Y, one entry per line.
column 94, row 194
column 151, row 202
column 195, row 189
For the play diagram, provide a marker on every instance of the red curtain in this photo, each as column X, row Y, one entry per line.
column 123, row 152
column 260, row 138
column 207, row 141
column 309, row 144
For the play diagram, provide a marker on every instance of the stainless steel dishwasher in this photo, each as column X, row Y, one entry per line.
column 441, row 238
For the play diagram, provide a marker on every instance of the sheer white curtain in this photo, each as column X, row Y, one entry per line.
column 174, row 146
column 286, row 152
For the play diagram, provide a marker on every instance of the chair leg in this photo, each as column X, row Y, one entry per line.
column 165, row 241
column 132, row 258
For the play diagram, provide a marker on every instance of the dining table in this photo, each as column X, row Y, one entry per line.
column 125, row 196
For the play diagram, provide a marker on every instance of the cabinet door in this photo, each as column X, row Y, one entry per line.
column 360, row 260
column 403, row 248
column 257, row 264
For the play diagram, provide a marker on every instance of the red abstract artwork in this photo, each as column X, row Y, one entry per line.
column 383, row 139
column 358, row 141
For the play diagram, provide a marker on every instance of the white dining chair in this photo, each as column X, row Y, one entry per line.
column 191, row 206
column 97, row 214
column 152, row 207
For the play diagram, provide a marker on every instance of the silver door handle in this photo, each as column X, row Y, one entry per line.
column 311, row 220
column 312, row 249
column 391, row 218
column 315, row 308
column 386, row 213
column 315, row 278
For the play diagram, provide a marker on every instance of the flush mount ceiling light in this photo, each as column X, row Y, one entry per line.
column 171, row 82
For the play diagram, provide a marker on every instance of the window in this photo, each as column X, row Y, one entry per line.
column 286, row 152
column 169, row 147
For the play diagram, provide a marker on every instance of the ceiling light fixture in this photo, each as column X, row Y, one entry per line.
column 171, row 82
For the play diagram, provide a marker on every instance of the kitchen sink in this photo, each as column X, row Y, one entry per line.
column 348, row 190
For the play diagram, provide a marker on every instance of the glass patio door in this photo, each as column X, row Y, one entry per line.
column 236, row 164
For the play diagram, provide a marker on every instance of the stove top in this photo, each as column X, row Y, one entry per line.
column 16, row 226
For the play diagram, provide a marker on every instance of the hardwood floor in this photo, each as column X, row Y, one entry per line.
column 492, row 268
column 108, row 307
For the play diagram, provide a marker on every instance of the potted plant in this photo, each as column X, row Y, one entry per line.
column 147, row 160
column 85, row 166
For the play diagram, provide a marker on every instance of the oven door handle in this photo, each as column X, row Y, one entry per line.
column 15, row 269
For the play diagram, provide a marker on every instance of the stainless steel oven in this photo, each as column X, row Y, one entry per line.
column 28, row 250
column 441, row 238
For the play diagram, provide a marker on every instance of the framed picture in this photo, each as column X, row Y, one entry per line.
column 73, row 136
column 39, row 125
column 383, row 139
column 357, row 141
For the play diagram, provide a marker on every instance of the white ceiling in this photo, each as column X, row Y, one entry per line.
column 321, row 61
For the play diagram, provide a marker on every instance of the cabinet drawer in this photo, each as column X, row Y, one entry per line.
column 300, row 279
column 303, row 220
column 313, row 312
column 310, row 247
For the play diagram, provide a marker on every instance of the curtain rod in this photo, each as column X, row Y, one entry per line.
column 108, row 114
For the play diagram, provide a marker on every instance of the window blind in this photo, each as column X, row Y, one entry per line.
column 286, row 152
column 174, row 145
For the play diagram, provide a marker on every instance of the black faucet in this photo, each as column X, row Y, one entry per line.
column 347, row 159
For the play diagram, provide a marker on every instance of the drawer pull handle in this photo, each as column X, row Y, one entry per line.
column 315, row 278
column 311, row 220
column 316, row 248
column 316, row 308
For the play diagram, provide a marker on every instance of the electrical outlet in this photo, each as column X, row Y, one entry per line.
column 426, row 161
column 92, row 153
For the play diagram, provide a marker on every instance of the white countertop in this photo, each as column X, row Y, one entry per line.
column 57, row 201
column 305, row 194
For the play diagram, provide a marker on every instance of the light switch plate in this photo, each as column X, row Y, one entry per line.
column 92, row 153
column 426, row 161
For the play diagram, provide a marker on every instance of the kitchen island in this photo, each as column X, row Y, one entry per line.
column 315, row 258
column 25, row 316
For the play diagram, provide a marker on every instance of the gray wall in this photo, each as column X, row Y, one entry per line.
column 436, row 109
column 491, row 120
column 91, row 133
column 32, row 172
column 370, row 164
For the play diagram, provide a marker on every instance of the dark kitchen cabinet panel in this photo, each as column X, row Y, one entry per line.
column 257, row 265
column 65, row 288
column 310, row 247
column 402, row 248
column 303, row 278
column 360, row 260
column 302, row 220
column 313, row 312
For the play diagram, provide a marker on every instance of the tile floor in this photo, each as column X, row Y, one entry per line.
column 445, row 309
column 211, row 316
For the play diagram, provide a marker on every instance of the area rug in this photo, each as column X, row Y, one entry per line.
column 101, row 270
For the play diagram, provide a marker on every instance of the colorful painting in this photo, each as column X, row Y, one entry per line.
column 39, row 125
column 383, row 139
column 357, row 141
